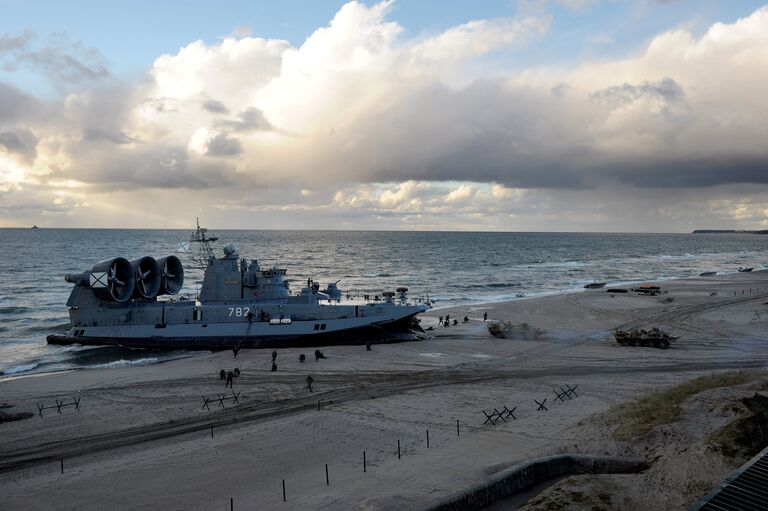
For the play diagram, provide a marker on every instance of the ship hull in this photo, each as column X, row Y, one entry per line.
column 400, row 330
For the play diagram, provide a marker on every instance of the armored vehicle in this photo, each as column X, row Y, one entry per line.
column 654, row 337
column 137, row 304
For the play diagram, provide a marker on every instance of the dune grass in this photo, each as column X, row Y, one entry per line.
column 638, row 417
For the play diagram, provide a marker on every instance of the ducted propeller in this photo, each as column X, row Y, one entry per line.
column 172, row 275
column 147, row 274
column 112, row 279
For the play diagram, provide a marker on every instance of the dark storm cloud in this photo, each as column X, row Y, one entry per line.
column 250, row 119
column 223, row 145
column 493, row 132
column 690, row 172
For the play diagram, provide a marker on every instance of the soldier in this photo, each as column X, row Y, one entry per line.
column 455, row 321
column 274, row 357
column 448, row 317
column 302, row 358
column 309, row 382
column 440, row 320
column 235, row 350
column 466, row 319
column 485, row 316
column 368, row 346
column 229, row 383
column 274, row 367
column 318, row 355
column 222, row 374
column 237, row 372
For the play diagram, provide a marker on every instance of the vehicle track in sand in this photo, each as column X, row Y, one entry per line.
column 359, row 387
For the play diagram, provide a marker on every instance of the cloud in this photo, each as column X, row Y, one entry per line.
column 16, row 106
column 215, row 107
column 251, row 118
column 21, row 142
column 223, row 145
column 61, row 59
column 366, row 117
column 9, row 43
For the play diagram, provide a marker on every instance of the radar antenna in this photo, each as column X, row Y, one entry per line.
column 200, row 241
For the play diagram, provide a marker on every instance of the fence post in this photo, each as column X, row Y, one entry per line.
column 364, row 467
column 398, row 449
column 427, row 439
column 327, row 481
column 62, row 465
column 457, row 427
column 231, row 504
column 211, row 431
column 283, row 490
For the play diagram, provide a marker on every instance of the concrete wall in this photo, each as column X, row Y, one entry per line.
column 523, row 475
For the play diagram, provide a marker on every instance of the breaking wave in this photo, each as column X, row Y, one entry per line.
column 20, row 368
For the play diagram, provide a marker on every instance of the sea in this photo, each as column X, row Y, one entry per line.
column 452, row 268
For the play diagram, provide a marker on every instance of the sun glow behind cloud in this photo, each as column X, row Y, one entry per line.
column 366, row 126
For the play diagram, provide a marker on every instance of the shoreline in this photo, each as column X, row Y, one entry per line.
column 473, row 304
column 133, row 420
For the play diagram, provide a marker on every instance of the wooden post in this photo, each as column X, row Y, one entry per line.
column 211, row 431
column 283, row 490
column 318, row 405
column 427, row 439
column 62, row 465
column 457, row 427
column 327, row 481
column 231, row 504
column 398, row 449
column 364, row 466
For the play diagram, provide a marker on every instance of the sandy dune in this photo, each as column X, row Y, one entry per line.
column 142, row 440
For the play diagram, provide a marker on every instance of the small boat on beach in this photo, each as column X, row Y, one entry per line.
column 744, row 270
column 707, row 274
column 595, row 285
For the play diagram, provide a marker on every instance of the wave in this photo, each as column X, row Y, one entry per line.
column 490, row 285
column 47, row 328
column 20, row 368
column 125, row 363
column 375, row 275
column 12, row 310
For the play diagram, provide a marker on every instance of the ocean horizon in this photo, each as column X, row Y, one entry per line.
column 451, row 267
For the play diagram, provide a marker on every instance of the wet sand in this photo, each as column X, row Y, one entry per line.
column 142, row 439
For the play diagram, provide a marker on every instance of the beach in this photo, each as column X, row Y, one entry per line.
column 143, row 437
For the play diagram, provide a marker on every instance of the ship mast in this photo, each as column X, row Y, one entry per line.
column 201, row 243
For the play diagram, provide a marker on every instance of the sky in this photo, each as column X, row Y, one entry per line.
column 502, row 115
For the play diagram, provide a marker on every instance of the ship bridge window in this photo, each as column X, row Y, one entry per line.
column 197, row 315
column 320, row 326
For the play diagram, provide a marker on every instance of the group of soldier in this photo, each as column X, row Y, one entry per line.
column 447, row 320
column 229, row 376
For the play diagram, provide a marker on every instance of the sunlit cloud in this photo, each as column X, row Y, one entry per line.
column 364, row 125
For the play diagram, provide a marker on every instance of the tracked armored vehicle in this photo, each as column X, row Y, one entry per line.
column 655, row 338
column 136, row 304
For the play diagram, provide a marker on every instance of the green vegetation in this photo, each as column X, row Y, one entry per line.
column 638, row 417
